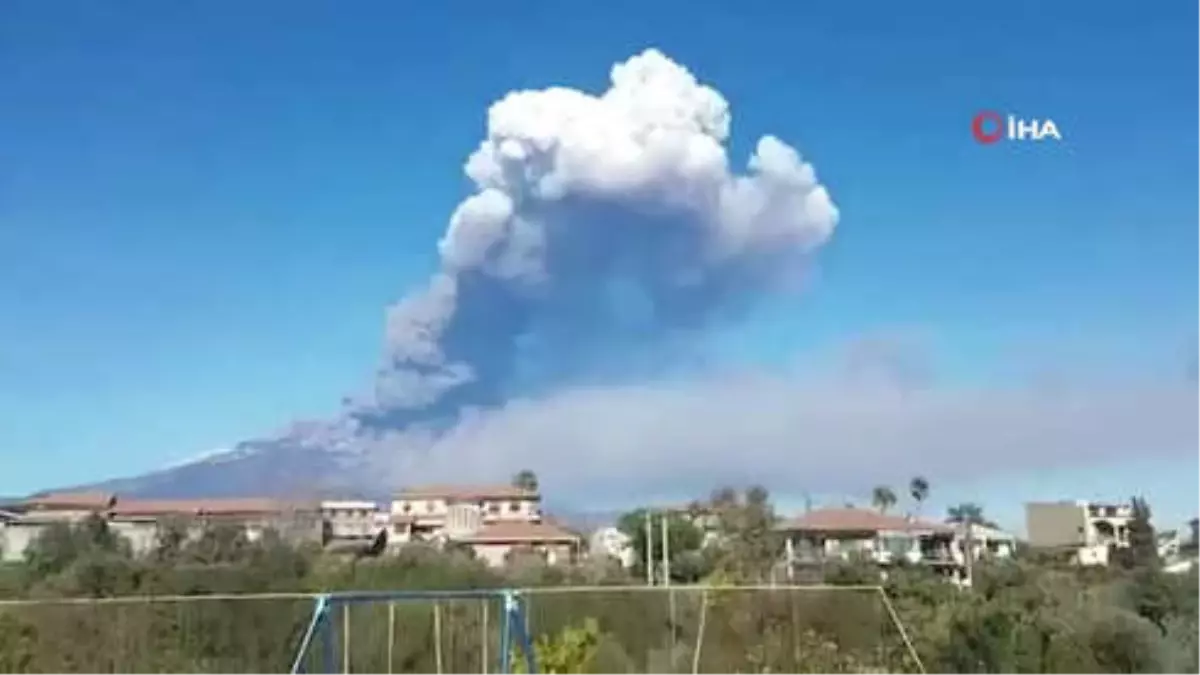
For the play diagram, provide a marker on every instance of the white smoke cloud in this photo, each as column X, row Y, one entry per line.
column 577, row 192
column 793, row 434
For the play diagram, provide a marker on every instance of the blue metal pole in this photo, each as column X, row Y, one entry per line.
column 506, row 635
column 330, row 639
column 306, row 642
column 523, row 635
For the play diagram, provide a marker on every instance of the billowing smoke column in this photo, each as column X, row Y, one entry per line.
column 600, row 228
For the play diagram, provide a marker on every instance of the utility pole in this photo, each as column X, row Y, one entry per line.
column 666, row 550
column 649, row 548
column 666, row 567
column 969, row 552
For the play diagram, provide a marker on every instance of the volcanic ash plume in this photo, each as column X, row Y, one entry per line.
column 599, row 226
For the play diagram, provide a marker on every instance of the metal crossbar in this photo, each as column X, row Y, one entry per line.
column 323, row 629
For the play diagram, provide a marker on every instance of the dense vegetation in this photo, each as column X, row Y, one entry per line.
column 1025, row 615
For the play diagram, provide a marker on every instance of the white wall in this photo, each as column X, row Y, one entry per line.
column 491, row 510
column 612, row 542
column 142, row 535
column 16, row 538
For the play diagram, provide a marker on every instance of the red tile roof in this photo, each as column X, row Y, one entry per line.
column 857, row 520
column 466, row 492
column 71, row 500
column 210, row 507
column 511, row 532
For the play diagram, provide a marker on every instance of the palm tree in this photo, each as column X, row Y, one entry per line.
column 883, row 498
column 526, row 480
column 918, row 487
column 968, row 513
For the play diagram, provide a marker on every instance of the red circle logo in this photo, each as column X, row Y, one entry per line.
column 987, row 127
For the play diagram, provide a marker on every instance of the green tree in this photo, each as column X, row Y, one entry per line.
column 54, row 548
column 572, row 650
column 1162, row 599
column 685, row 539
column 967, row 513
column 748, row 547
column 918, row 488
column 170, row 539
column 883, row 498
column 1143, row 542
column 60, row 544
column 525, row 479
column 100, row 574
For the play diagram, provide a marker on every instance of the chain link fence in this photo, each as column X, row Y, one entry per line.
column 228, row 634
column 681, row 629
column 690, row 629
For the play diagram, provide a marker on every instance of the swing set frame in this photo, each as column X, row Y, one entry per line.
column 323, row 628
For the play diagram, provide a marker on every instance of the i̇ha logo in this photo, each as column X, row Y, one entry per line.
column 989, row 127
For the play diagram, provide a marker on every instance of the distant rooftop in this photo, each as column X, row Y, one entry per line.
column 510, row 532
column 858, row 520
column 466, row 492
column 118, row 506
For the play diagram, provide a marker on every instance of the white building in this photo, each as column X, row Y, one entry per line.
column 1088, row 529
column 984, row 542
column 839, row 534
column 353, row 520
column 493, row 519
column 609, row 541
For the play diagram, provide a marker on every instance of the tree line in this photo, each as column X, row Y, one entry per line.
column 1030, row 614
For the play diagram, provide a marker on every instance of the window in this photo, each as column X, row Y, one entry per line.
column 493, row 507
column 514, row 507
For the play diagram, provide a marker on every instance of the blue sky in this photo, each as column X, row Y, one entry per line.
column 205, row 207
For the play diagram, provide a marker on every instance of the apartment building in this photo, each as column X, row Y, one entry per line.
column 436, row 506
column 1090, row 530
column 493, row 520
column 349, row 520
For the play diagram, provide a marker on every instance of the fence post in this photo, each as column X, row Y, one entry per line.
column 484, row 635
column 346, row 638
column 391, row 646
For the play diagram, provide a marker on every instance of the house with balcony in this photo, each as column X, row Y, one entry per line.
column 824, row 536
column 1089, row 531
column 492, row 519
column 446, row 509
column 352, row 520
column 984, row 541
column 495, row 543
